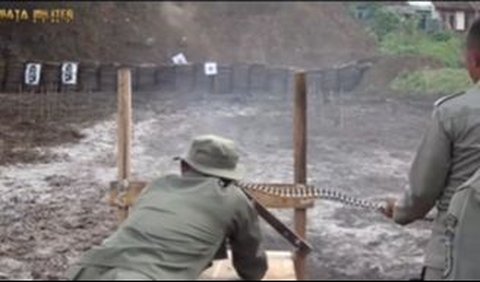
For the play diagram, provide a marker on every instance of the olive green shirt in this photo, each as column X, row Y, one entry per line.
column 176, row 227
column 449, row 154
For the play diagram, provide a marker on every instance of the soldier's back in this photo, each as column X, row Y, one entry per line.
column 459, row 116
column 462, row 232
column 173, row 231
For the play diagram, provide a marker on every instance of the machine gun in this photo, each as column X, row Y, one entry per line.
column 283, row 191
column 298, row 242
column 300, row 245
column 123, row 195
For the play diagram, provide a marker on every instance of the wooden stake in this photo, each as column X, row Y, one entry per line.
column 300, row 163
column 124, row 132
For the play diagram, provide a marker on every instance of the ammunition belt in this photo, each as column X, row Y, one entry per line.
column 309, row 192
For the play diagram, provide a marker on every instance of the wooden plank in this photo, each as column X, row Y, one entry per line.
column 290, row 235
column 268, row 200
column 134, row 190
column 300, row 163
column 128, row 198
column 280, row 267
column 124, row 131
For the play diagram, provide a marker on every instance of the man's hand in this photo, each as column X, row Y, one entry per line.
column 387, row 209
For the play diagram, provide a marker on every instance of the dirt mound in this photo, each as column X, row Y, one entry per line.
column 309, row 35
column 385, row 69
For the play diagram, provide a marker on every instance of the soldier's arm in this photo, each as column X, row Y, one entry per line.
column 428, row 174
column 249, row 258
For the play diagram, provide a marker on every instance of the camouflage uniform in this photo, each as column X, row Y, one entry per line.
column 448, row 155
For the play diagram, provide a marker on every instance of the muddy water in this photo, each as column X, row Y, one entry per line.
column 52, row 212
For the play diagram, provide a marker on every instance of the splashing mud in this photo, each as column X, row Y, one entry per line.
column 52, row 212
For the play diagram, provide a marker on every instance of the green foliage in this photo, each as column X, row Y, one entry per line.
column 444, row 47
column 443, row 36
column 384, row 22
column 398, row 35
column 401, row 35
column 379, row 21
column 432, row 82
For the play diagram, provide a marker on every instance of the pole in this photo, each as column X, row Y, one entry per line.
column 124, row 131
column 300, row 164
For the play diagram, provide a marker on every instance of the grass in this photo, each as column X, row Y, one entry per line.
column 447, row 50
column 432, row 82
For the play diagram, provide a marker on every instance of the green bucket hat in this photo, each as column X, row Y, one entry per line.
column 214, row 155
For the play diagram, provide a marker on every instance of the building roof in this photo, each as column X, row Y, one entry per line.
column 389, row 3
column 394, row 3
column 455, row 5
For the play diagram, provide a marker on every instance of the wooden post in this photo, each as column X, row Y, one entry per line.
column 124, row 130
column 300, row 162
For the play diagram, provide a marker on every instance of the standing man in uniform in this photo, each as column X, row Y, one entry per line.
column 180, row 222
column 448, row 156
